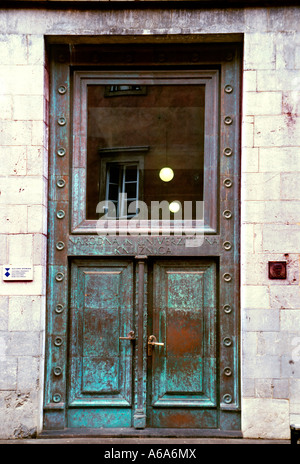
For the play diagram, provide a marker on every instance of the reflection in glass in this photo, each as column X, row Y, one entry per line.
column 136, row 131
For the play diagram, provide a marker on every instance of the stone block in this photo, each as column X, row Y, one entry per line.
column 6, row 105
column 250, row 158
column 277, row 131
column 281, row 388
column 265, row 320
column 289, row 368
column 279, row 159
column 262, row 367
column 289, row 318
column 13, row 219
column 259, row 51
column 36, row 49
column 247, row 239
column 13, row 160
column 39, row 249
column 291, row 103
column 273, row 241
column 261, row 186
column 263, row 388
column 37, row 162
column 247, row 386
column 285, row 80
column 294, row 394
column 28, row 107
column 13, row 49
column 24, row 344
column 24, row 190
column 269, row 342
column 20, row 249
column 262, row 103
column 265, row 418
column 14, row 133
column 37, row 219
column 24, row 313
column 3, row 316
column 249, row 81
column 22, row 79
column 285, row 297
column 249, row 343
column 248, row 131
column 8, row 367
column 29, row 371
column 253, row 297
column 289, row 186
column 271, row 212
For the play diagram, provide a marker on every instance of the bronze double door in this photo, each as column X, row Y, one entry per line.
column 143, row 343
column 143, row 278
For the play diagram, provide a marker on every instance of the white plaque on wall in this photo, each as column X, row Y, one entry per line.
column 17, row 272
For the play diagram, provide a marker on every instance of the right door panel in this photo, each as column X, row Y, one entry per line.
column 183, row 371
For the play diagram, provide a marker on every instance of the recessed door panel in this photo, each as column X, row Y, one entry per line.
column 101, row 313
column 184, row 320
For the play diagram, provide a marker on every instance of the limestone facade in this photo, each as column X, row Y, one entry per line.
column 270, row 310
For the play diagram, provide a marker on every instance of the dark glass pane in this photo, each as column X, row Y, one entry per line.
column 114, row 174
column 130, row 190
column 113, row 192
column 130, row 173
column 169, row 119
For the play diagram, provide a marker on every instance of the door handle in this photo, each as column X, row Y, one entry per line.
column 130, row 336
column 151, row 343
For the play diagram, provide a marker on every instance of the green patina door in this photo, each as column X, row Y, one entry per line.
column 143, row 262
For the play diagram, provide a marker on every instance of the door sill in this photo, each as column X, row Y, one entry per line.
column 134, row 433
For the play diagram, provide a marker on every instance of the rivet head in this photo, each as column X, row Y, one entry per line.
column 227, row 277
column 228, row 120
column 57, row 371
column 61, row 151
column 61, row 183
column 59, row 276
column 227, row 246
column 229, row 56
column 228, row 88
column 60, row 246
column 60, row 214
column 62, row 89
column 227, row 214
column 59, row 308
column 227, row 398
column 161, row 57
column 58, row 341
column 195, row 57
column 227, row 182
column 56, row 398
column 227, row 341
column 62, row 121
column 62, row 58
column 227, row 151
column 227, row 309
column 227, row 371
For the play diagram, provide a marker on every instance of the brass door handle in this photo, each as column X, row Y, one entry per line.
column 152, row 341
column 130, row 336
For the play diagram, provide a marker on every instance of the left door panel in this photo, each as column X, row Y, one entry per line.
column 100, row 362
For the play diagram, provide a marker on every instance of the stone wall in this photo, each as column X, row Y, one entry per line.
column 270, row 310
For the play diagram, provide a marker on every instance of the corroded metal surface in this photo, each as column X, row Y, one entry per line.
column 102, row 287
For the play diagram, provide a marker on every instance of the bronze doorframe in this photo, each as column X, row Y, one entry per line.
column 223, row 243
